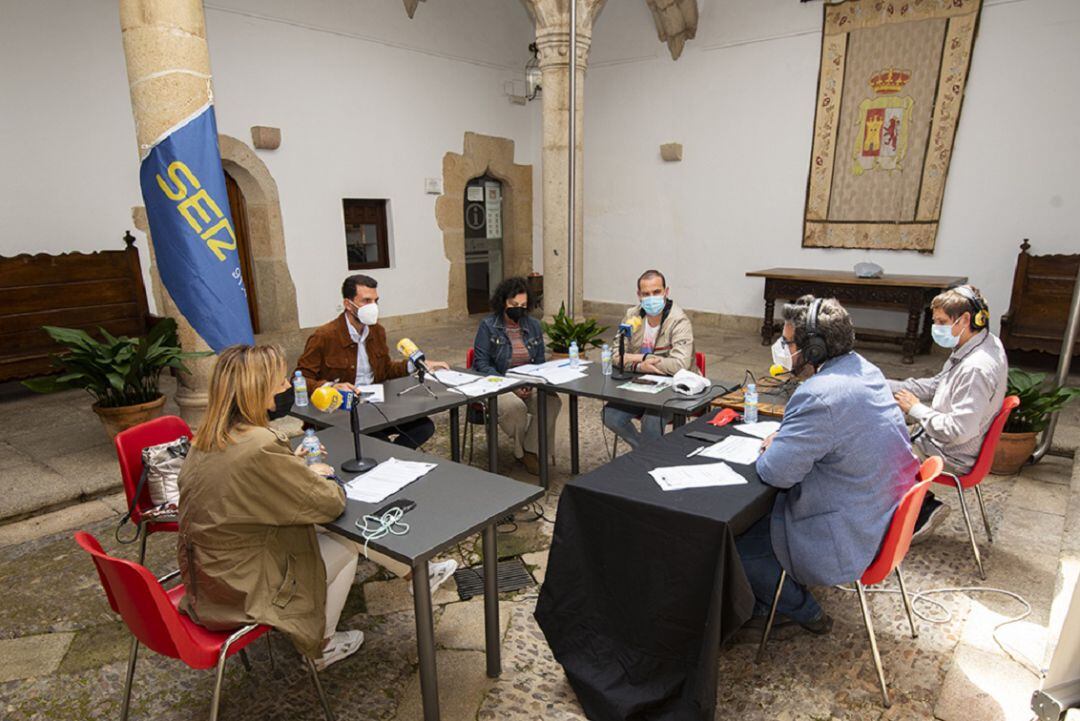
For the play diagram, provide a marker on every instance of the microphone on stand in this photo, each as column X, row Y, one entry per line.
column 328, row 399
column 416, row 356
column 625, row 331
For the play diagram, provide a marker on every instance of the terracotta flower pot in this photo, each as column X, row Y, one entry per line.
column 1013, row 451
column 124, row 417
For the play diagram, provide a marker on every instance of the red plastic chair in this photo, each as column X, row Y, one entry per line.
column 129, row 447
column 889, row 557
column 978, row 473
column 152, row 615
column 474, row 414
column 699, row 361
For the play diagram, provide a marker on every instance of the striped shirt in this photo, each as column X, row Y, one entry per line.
column 519, row 354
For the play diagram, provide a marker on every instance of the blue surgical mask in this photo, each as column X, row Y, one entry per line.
column 943, row 335
column 653, row 305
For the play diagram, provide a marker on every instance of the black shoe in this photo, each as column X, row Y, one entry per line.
column 820, row 625
column 931, row 515
column 757, row 623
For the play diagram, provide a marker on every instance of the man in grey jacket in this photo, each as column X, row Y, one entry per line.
column 953, row 410
column 841, row 459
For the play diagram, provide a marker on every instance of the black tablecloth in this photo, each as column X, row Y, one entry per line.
column 643, row 585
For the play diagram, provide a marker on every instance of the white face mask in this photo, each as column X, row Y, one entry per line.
column 781, row 355
column 368, row 314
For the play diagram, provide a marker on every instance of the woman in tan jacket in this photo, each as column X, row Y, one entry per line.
column 249, row 549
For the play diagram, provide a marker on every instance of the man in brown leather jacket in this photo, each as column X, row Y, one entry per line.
column 351, row 351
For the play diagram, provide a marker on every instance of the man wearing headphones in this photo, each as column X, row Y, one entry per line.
column 953, row 410
column 841, row 459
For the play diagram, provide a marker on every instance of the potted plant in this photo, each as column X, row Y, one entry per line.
column 120, row 373
column 1038, row 401
column 562, row 331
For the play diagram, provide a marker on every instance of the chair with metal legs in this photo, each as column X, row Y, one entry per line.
column 977, row 474
column 152, row 615
column 892, row 552
column 129, row 447
column 699, row 362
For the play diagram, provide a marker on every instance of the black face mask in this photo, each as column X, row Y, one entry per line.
column 515, row 314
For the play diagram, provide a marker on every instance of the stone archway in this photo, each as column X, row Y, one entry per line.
column 274, row 288
column 495, row 156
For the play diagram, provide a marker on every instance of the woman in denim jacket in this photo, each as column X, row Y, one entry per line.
column 508, row 338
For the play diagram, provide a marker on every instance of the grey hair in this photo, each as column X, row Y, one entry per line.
column 833, row 323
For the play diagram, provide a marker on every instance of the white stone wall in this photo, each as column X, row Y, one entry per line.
column 741, row 101
column 368, row 102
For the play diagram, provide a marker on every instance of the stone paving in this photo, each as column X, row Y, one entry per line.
column 63, row 653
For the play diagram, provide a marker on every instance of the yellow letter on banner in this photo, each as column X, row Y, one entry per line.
column 181, row 192
column 193, row 202
column 217, row 245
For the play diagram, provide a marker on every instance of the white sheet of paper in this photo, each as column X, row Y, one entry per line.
column 487, row 384
column 549, row 373
column 371, row 393
column 677, row 478
column 641, row 387
column 386, row 479
column 734, row 449
column 452, row 378
column 761, row 429
column 659, row 380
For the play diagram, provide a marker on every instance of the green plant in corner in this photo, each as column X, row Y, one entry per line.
column 1038, row 401
column 562, row 330
column 118, row 372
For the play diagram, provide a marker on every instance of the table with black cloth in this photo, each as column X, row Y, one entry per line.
column 643, row 585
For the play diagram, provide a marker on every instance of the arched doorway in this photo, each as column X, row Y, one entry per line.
column 243, row 246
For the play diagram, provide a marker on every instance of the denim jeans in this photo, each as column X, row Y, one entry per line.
column 411, row 434
column 763, row 570
column 620, row 419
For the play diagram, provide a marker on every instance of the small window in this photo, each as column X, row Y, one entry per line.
column 366, row 242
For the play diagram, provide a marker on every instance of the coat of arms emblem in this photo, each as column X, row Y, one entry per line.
column 884, row 124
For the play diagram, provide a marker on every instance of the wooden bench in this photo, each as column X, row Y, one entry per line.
column 910, row 293
column 72, row 290
column 1039, row 308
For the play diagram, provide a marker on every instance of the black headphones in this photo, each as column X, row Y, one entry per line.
column 815, row 351
column 980, row 314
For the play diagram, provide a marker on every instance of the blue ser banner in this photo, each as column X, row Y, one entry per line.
column 187, row 206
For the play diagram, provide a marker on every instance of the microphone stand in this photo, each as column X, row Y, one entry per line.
column 358, row 464
column 621, row 374
column 419, row 384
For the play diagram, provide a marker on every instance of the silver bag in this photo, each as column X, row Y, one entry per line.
column 162, row 464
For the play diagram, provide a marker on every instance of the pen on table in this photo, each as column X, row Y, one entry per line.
column 696, row 451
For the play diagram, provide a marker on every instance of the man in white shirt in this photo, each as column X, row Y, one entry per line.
column 954, row 409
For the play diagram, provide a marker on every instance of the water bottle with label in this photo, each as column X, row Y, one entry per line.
column 750, row 404
column 300, row 389
column 575, row 358
column 314, row 447
column 605, row 359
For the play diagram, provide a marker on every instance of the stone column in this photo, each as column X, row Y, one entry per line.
column 552, row 21
column 168, row 67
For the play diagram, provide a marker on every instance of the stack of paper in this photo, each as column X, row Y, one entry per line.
column 452, row 378
column 761, row 429
column 734, row 449
column 485, row 385
column 371, row 393
column 677, row 478
column 638, row 387
column 554, row 372
column 385, row 479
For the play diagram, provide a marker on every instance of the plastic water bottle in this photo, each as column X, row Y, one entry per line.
column 313, row 445
column 750, row 404
column 300, row 388
column 605, row 359
column 575, row 359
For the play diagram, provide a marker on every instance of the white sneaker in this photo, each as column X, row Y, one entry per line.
column 438, row 573
column 342, row 645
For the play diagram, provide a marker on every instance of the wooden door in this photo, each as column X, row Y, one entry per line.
column 243, row 247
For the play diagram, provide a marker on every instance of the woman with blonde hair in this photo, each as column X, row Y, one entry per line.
column 249, row 549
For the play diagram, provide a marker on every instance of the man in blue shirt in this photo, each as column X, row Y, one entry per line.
column 841, row 459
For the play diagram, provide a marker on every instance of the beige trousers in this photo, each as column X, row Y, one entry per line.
column 516, row 420
column 341, row 556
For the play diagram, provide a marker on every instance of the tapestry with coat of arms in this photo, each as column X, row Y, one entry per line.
column 890, row 89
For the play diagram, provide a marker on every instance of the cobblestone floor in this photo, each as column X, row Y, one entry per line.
column 62, row 652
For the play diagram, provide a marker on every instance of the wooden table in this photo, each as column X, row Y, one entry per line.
column 912, row 293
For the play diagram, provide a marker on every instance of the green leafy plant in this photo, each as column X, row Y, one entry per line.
column 117, row 371
column 1038, row 401
column 562, row 330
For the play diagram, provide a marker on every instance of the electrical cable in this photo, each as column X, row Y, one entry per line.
column 1014, row 654
column 389, row 524
column 395, row 426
